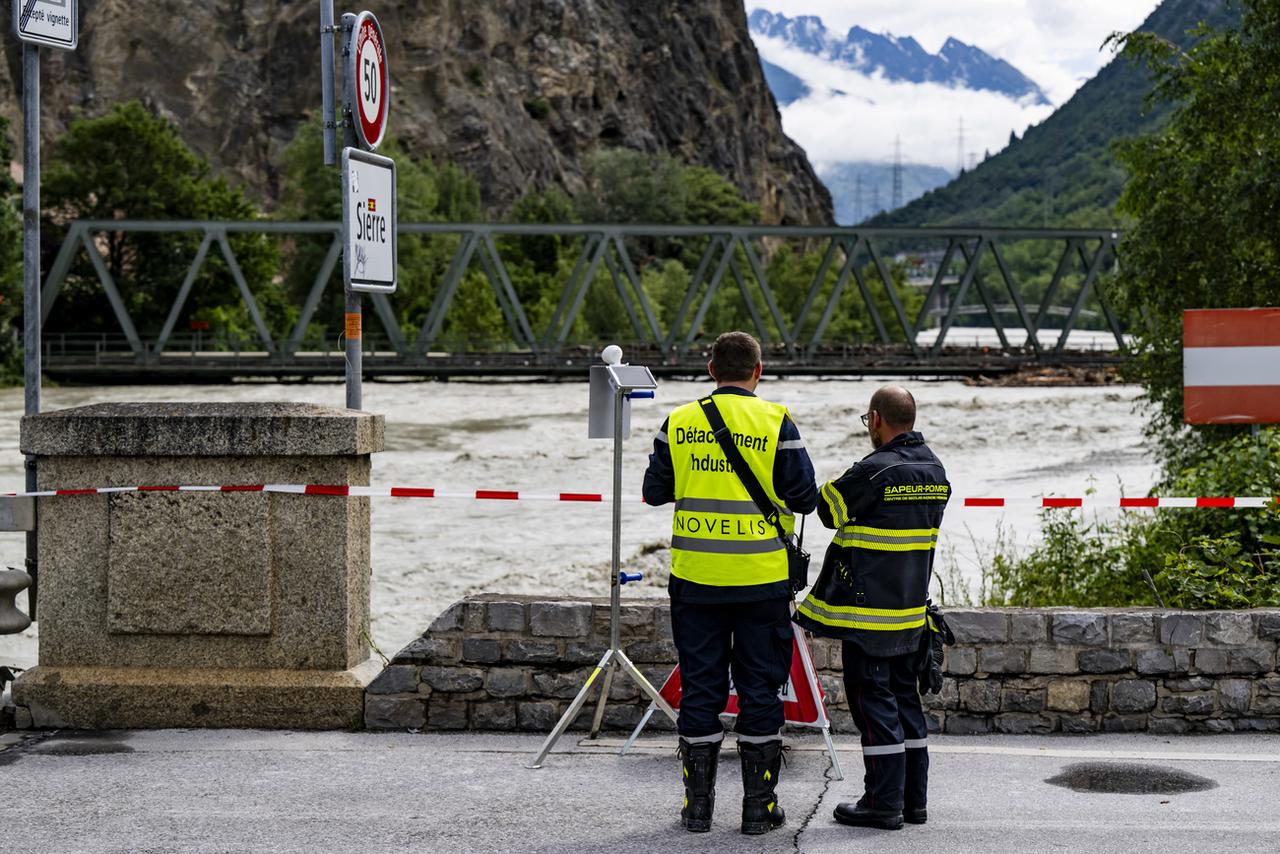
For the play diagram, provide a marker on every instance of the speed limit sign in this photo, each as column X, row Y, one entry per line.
column 367, row 71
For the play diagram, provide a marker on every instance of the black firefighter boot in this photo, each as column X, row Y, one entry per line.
column 698, row 763
column 761, row 762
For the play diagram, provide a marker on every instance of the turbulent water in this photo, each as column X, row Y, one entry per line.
column 532, row 437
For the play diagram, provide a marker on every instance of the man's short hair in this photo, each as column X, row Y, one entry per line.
column 896, row 406
column 734, row 357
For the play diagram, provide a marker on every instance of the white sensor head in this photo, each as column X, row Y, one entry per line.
column 612, row 355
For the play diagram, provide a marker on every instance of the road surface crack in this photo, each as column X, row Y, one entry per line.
column 822, row 796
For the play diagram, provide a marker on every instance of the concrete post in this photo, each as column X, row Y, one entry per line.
column 179, row 609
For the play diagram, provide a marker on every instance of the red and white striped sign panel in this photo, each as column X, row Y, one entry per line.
column 1231, row 366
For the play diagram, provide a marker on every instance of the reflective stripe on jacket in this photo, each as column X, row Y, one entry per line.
column 719, row 537
column 886, row 510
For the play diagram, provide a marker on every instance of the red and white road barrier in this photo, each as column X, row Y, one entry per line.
column 1231, row 366
column 1238, row 502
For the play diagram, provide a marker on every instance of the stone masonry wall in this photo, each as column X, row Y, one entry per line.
column 514, row 663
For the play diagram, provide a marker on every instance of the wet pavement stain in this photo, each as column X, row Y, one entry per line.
column 1118, row 778
column 88, row 744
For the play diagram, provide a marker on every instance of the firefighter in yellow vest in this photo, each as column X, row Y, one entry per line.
column 872, row 594
column 729, row 584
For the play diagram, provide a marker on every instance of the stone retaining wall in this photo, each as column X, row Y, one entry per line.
column 514, row 663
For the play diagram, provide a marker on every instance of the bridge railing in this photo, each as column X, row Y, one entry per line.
column 950, row 266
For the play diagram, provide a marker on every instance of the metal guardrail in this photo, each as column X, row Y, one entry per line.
column 731, row 254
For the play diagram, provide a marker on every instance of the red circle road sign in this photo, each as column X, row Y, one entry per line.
column 368, row 65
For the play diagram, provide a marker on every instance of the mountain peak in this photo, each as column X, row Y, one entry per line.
column 899, row 57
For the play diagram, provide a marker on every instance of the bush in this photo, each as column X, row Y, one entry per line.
column 1081, row 563
column 132, row 164
column 1185, row 558
column 1216, row 572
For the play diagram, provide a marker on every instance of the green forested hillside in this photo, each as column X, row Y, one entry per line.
column 1063, row 172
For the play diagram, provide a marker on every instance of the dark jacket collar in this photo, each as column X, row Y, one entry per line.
column 732, row 389
column 902, row 440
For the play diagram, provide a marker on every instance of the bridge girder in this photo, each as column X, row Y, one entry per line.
column 734, row 252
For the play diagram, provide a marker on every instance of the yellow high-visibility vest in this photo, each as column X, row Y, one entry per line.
column 718, row 536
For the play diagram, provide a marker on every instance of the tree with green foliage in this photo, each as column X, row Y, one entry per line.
column 130, row 164
column 627, row 186
column 540, row 264
column 1204, row 198
column 10, row 266
column 426, row 192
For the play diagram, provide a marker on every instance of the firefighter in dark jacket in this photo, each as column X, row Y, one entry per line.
column 730, row 600
column 872, row 594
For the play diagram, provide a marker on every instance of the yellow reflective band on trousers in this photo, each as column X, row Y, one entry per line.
column 887, row 539
column 856, row 617
column 718, row 535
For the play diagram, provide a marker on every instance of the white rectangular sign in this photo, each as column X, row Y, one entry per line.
column 54, row 23
column 368, row 221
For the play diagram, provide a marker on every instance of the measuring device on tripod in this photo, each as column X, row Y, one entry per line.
column 613, row 386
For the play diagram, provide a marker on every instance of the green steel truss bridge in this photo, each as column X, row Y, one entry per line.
column 962, row 273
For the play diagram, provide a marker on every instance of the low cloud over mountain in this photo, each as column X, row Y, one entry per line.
column 899, row 59
column 850, row 100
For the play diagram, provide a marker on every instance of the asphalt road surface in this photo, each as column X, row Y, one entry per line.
column 254, row 791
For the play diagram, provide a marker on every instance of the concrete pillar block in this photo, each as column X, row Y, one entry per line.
column 256, row 604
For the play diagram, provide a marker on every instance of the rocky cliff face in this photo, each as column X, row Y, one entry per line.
column 515, row 91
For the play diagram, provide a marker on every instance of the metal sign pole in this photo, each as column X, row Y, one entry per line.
column 353, row 309
column 31, row 274
column 329, row 124
column 355, row 356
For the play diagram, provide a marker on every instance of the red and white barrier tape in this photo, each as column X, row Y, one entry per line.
column 1129, row 503
column 1239, row 502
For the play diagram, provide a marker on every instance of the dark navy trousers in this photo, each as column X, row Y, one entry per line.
column 750, row 639
column 886, row 708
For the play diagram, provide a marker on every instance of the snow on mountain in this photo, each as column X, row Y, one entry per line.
column 899, row 58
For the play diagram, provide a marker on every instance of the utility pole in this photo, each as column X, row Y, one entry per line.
column 857, row 199
column 960, row 148
column 897, row 173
